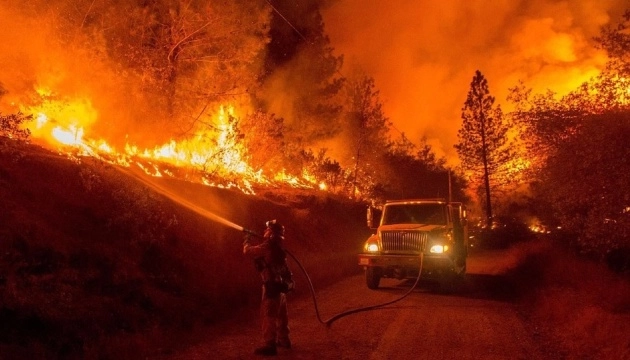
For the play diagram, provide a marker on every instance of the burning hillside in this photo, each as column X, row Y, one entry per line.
column 214, row 157
column 169, row 104
column 94, row 264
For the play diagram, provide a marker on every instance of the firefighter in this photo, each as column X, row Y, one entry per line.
column 270, row 261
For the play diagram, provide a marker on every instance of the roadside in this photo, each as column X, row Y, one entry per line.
column 574, row 307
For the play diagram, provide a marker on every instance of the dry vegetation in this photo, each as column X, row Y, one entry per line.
column 95, row 265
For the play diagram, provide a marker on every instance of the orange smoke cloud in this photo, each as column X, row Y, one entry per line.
column 423, row 54
column 45, row 71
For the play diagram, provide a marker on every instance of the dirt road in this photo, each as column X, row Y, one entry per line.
column 478, row 322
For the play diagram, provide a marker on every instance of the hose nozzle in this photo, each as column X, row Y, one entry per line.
column 251, row 232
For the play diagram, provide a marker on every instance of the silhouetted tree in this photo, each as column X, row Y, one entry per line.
column 175, row 56
column 543, row 123
column 546, row 122
column 483, row 137
column 585, row 184
column 428, row 156
column 11, row 126
column 302, row 70
column 580, row 149
column 367, row 130
column 615, row 40
column 412, row 171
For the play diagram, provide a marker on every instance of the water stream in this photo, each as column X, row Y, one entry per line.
column 180, row 200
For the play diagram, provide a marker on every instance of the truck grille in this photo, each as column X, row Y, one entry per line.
column 403, row 241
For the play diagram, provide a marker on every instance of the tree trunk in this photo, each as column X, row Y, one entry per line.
column 486, row 176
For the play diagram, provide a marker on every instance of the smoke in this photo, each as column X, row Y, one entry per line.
column 56, row 70
column 22, row 49
column 423, row 54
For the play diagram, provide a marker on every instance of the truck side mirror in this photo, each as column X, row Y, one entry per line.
column 373, row 217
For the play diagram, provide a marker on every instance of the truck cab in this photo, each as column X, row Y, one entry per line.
column 415, row 237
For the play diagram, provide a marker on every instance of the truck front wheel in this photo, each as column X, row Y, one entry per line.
column 373, row 277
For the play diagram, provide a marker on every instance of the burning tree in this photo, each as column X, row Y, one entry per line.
column 239, row 90
column 191, row 53
column 578, row 145
column 483, row 140
column 11, row 126
column 160, row 75
column 264, row 138
column 158, row 64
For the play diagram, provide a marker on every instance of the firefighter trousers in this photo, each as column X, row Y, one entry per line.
column 275, row 320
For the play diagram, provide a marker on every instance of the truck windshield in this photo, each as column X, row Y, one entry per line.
column 414, row 214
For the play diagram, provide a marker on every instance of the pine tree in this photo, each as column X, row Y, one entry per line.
column 483, row 140
column 368, row 129
column 301, row 67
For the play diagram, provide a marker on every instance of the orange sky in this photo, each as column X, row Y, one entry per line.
column 423, row 54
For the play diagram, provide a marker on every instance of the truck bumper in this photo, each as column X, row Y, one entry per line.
column 432, row 265
column 388, row 260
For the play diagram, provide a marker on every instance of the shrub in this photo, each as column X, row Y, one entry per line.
column 507, row 232
column 11, row 126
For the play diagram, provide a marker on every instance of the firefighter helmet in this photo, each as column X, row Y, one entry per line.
column 275, row 228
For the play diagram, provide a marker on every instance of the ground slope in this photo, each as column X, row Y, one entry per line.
column 95, row 263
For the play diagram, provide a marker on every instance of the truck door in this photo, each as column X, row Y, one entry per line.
column 459, row 229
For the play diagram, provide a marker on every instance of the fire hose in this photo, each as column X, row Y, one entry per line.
column 211, row 216
column 338, row 316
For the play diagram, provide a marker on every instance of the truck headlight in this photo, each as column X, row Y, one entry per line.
column 371, row 246
column 438, row 249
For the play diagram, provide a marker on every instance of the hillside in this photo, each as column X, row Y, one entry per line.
column 96, row 262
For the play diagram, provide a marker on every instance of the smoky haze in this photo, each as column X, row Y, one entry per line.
column 65, row 66
column 38, row 67
column 423, row 54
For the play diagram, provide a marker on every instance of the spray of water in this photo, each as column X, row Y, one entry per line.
column 214, row 217
column 180, row 200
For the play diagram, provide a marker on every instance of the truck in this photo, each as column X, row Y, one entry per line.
column 426, row 238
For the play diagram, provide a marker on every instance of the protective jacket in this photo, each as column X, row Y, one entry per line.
column 270, row 261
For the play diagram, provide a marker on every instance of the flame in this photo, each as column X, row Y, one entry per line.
column 70, row 136
column 64, row 124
